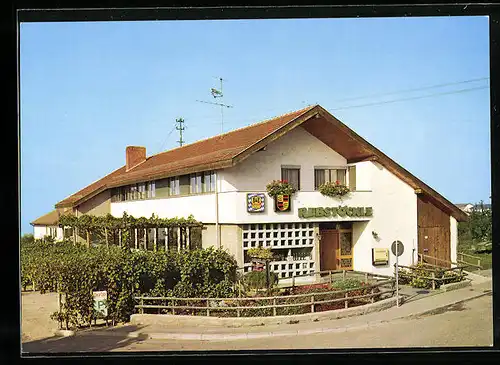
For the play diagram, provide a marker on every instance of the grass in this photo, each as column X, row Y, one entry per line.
column 465, row 247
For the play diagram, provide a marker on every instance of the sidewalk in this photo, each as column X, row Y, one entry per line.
column 411, row 309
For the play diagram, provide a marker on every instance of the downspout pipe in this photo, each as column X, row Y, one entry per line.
column 217, row 227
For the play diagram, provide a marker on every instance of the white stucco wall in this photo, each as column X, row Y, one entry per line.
column 453, row 239
column 394, row 218
column 297, row 147
column 40, row 232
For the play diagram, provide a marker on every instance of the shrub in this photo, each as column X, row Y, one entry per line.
column 260, row 253
column 77, row 271
column 346, row 284
column 258, row 279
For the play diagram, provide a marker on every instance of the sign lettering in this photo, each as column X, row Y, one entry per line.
column 321, row 212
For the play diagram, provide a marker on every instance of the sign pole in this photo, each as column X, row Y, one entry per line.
column 397, row 274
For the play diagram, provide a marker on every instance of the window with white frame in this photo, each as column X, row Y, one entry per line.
column 151, row 189
column 195, row 185
column 174, row 186
column 324, row 175
column 208, row 181
column 141, row 188
column 292, row 175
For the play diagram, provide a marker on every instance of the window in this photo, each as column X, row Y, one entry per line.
column 141, row 188
column 195, row 186
column 151, row 189
column 52, row 232
column 322, row 176
column 174, row 186
column 292, row 175
column 132, row 195
column 208, row 181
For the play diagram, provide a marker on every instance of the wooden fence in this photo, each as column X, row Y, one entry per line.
column 213, row 304
column 461, row 259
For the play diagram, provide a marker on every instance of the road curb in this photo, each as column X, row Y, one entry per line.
column 430, row 311
column 255, row 335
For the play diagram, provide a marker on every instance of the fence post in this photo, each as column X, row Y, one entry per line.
column 366, row 277
column 372, row 297
column 346, row 300
column 274, row 306
column 312, row 303
column 343, row 274
column 331, row 279
column 208, row 306
column 293, row 280
column 173, row 305
column 479, row 264
column 142, row 303
column 433, row 281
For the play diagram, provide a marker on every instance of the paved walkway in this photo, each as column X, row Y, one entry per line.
column 427, row 304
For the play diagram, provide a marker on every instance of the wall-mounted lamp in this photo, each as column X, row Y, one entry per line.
column 375, row 235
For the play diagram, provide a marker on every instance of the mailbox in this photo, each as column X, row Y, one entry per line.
column 380, row 256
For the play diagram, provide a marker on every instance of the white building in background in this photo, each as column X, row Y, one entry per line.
column 46, row 225
column 216, row 178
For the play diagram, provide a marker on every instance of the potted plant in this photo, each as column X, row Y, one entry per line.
column 260, row 260
column 334, row 189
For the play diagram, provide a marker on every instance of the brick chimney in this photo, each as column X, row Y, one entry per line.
column 134, row 156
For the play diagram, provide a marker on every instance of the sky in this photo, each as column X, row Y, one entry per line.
column 89, row 89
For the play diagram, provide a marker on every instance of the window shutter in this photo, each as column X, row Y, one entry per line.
column 352, row 178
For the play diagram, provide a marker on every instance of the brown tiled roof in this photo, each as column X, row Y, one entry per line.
column 228, row 149
column 48, row 219
column 197, row 156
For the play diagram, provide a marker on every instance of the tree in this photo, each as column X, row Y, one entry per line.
column 27, row 239
column 478, row 227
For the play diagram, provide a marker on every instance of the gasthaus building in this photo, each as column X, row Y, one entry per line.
column 222, row 182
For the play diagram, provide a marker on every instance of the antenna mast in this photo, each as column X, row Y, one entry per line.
column 218, row 94
column 180, row 128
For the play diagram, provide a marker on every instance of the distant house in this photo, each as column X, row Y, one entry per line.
column 467, row 207
column 482, row 207
column 47, row 225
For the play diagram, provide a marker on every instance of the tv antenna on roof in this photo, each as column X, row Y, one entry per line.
column 218, row 94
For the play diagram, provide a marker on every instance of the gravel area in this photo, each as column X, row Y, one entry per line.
column 35, row 316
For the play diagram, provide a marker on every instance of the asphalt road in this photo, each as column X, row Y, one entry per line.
column 467, row 324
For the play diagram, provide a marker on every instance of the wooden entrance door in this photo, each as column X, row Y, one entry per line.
column 434, row 242
column 336, row 249
column 329, row 246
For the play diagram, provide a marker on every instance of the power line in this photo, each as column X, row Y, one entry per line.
column 412, row 98
column 415, row 89
column 166, row 138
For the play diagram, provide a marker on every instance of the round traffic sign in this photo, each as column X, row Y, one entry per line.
column 400, row 248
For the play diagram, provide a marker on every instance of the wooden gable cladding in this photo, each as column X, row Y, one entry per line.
column 336, row 138
column 434, row 236
column 429, row 215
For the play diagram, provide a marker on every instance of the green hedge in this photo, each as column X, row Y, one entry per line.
column 76, row 271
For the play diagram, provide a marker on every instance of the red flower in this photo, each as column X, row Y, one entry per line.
column 337, row 182
column 285, row 181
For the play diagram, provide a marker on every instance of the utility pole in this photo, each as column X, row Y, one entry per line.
column 180, row 128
